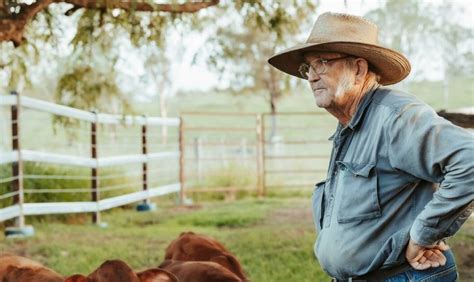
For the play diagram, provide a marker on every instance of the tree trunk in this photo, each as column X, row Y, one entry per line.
column 275, row 93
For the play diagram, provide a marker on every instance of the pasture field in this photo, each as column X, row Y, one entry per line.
column 272, row 238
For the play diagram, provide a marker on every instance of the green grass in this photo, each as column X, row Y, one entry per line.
column 272, row 238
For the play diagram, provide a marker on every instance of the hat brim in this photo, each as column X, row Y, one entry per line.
column 389, row 64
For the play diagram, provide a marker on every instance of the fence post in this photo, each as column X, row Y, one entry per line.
column 260, row 145
column 146, row 205
column 145, row 164
column 182, row 179
column 94, row 171
column 17, row 167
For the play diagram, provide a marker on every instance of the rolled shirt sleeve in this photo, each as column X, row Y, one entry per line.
column 431, row 148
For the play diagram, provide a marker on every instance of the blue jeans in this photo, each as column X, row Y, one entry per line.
column 446, row 273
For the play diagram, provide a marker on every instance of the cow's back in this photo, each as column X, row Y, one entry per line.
column 195, row 247
column 199, row 271
column 15, row 268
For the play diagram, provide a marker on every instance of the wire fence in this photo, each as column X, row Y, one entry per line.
column 56, row 159
column 260, row 152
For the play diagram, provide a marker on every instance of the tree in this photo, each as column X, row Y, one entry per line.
column 259, row 28
column 430, row 35
column 424, row 31
column 158, row 74
column 15, row 14
column 86, row 60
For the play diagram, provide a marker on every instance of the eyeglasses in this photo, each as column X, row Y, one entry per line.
column 319, row 66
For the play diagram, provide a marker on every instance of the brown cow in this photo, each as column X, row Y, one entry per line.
column 113, row 270
column 15, row 268
column 199, row 271
column 193, row 247
column 119, row 271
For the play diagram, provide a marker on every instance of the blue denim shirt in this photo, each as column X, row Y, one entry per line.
column 398, row 170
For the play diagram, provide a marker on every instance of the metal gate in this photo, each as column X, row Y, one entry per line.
column 257, row 152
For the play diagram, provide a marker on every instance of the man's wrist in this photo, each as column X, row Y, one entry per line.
column 430, row 246
column 422, row 235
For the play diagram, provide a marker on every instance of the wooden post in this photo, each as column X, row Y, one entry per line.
column 197, row 155
column 258, row 129
column 182, row 179
column 94, row 172
column 145, row 164
column 17, row 167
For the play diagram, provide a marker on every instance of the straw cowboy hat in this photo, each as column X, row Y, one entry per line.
column 348, row 34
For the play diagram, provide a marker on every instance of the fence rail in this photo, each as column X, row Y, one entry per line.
column 51, row 158
column 84, row 207
column 60, row 110
column 17, row 156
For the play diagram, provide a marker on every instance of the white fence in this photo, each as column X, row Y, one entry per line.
column 16, row 156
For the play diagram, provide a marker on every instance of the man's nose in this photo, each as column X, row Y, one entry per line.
column 313, row 76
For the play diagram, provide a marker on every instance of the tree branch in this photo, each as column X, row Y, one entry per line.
column 190, row 7
column 14, row 19
column 13, row 24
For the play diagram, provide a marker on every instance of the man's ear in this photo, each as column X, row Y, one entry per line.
column 362, row 68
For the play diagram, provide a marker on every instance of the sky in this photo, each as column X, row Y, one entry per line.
column 197, row 77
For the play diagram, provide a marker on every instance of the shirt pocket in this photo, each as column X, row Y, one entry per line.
column 318, row 204
column 359, row 199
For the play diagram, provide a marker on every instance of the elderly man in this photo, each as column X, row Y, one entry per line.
column 400, row 178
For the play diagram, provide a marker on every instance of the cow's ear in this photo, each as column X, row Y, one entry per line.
column 156, row 275
column 227, row 260
column 186, row 233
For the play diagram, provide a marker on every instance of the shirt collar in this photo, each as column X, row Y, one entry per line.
column 361, row 109
column 335, row 132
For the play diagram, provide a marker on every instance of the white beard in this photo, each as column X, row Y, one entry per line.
column 345, row 84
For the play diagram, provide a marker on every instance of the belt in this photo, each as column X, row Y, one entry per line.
column 376, row 275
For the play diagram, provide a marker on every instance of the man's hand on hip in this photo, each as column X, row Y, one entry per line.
column 422, row 257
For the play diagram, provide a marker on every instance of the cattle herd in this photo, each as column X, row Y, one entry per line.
column 190, row 257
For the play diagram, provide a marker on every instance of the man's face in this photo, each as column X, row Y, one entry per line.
column 329, row 87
